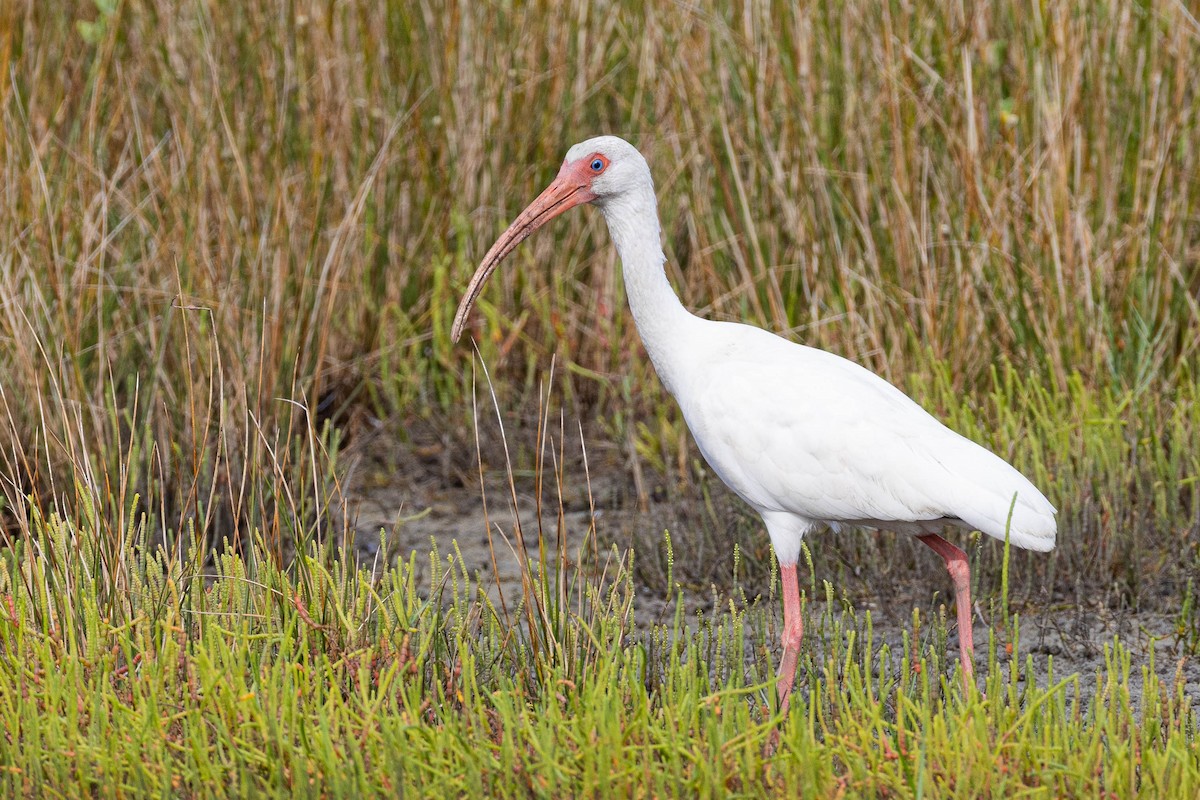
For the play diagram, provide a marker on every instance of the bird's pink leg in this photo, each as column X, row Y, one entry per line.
column 793, row 632
column 960, row 573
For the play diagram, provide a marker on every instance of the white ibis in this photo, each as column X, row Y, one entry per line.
column 806, row 437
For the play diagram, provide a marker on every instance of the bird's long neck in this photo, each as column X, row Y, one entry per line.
column 660, row 318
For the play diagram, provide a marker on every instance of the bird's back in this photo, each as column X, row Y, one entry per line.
column 797, row 430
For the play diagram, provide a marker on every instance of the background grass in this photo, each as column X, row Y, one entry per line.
column 232, row 239
column 226, row 226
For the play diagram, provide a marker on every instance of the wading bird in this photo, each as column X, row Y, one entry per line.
column 804, row 436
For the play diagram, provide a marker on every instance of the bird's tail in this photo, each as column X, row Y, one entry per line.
column 1025, row 518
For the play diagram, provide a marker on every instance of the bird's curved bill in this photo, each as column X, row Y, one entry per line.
column 564, row 193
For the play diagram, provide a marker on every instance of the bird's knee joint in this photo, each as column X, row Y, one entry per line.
column 792, row 636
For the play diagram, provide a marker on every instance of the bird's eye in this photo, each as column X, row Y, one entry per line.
column 597, row 165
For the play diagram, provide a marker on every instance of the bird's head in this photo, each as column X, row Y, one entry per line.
column 600, row 170
column 608, row 166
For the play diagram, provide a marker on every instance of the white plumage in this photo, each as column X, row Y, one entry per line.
column 804, row 436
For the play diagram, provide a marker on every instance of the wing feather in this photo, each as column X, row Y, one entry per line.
column 795, row 429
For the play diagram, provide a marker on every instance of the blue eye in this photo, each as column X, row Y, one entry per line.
column 597, row 165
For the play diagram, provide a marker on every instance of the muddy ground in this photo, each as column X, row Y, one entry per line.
column 427, row 493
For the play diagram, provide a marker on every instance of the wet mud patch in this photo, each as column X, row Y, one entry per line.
column 425, row 503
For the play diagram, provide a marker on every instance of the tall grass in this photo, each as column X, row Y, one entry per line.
column 228, row 229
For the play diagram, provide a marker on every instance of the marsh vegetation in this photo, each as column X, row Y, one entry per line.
column 232, row 239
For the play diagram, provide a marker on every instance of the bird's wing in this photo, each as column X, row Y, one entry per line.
column 796, row 429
